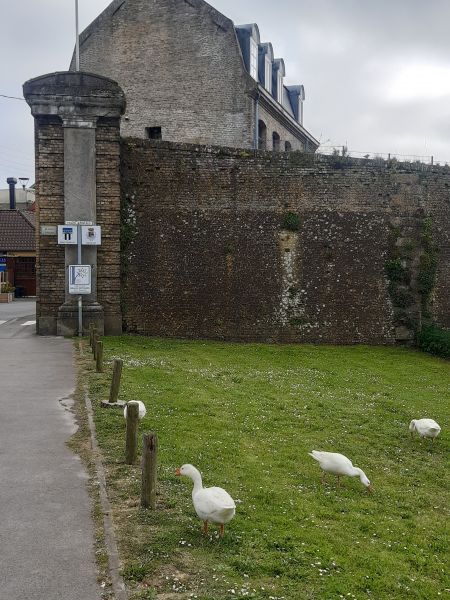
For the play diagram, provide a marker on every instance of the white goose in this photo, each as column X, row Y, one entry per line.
column 211, row 504
column 426, row 428
column 338, row 464
column 142, row 410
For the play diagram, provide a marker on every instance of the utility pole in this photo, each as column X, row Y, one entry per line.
column 77, row 42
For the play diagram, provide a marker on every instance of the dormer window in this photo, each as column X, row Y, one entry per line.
column 280, row 87
column 268, row 74
column 278, row 76
column 253, row 59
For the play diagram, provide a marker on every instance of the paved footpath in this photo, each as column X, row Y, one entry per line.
column 46, row 532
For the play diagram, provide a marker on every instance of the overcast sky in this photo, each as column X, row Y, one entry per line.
column 376, row 74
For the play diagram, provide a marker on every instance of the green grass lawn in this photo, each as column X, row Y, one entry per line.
column 247, row 416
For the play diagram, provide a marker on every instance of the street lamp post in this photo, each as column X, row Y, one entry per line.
column 77, row 41
column 24, row 181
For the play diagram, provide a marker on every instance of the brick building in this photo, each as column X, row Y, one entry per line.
column 18, row 250
column 190, row 75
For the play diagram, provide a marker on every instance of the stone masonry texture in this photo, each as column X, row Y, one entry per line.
column 231, row 244
column 181, row 68
column 49, row 139
column 50, row 275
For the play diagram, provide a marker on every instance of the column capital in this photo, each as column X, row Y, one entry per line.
column 74, row 96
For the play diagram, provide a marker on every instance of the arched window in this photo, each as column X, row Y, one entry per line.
column 262, row 135
column 276, row 141
column 287, row 146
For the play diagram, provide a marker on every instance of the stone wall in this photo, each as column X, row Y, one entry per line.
column 77, row 145
column 234, row 245
column 108, row 216
column 49, row 189
column 179, row 64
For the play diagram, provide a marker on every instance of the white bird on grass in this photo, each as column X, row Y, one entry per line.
column 338, row 464
column 211, row 504
column 142, row 410
column 426, row 428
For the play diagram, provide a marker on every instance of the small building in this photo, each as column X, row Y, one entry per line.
column 18, row 250
column 24, row 198
column 189, row 75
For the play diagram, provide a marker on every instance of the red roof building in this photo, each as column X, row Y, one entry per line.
column 18, row 250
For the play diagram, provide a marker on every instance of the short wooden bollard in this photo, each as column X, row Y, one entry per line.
column 99, row 357
column 94, row 345
column 115, row 382
column 132, row 432
column 94, row 338
column 149, row 470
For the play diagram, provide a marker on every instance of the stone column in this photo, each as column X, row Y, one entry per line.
column 80, row 104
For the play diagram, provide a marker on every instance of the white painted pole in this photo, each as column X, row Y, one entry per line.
column 77, row 42
column 80, row 298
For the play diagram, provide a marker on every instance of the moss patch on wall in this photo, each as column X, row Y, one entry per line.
column 411, row 270
column 426, row 278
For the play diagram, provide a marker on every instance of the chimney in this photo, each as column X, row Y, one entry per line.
column 11, row 181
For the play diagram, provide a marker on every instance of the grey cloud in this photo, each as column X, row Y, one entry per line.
column 345, row 52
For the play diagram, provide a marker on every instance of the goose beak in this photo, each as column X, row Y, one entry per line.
column 177, row 472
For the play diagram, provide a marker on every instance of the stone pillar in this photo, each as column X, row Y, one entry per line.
column 77, row 122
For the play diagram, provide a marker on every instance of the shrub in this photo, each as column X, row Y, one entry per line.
column 291, row 221
column 401, row 297
column 7, row 288
column 397, row 272
column 435, row 340
column 427, row 274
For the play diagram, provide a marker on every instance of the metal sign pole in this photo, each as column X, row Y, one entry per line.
column 77, row 43
column 80, row 298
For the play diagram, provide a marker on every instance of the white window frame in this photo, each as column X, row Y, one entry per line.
column 268, row 74
column 300, row 111
column 253, row 59
column 280, row 87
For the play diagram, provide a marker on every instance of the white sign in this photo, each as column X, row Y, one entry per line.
column 48, row 229
column 67, row 234
column 91, row 235
column 79, row 223
column 79, row 279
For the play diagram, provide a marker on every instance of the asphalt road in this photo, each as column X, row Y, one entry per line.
column 46, row 531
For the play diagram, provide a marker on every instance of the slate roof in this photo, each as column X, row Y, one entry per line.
column 17, row 231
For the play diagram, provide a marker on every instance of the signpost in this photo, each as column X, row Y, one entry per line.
column 91, row 235
column 80, row 279
column 67, row 234
column 80, row 276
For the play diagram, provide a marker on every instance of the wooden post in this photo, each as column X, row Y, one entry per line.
column 115, row 382
column 99, row 357
column 91, row 332
column 94, row 345
column 132, row 431
column 94, row 335
column 149, row 470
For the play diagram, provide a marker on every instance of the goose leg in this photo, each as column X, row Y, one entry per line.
column 205, row 527
column 222, row 530
column 338, row 480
